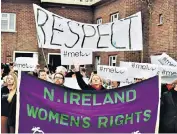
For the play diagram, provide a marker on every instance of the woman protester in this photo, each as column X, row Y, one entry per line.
column 8, row 104
column 168, row 115
column 59, row 79
column 95, row 82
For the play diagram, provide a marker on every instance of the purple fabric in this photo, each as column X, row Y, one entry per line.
column 32, row 93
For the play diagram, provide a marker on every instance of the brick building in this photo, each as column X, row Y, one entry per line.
column 159, row 20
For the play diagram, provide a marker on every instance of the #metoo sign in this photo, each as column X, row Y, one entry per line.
column 69, row 56
column 55, row 32
column 112, row 73
column 25, row 64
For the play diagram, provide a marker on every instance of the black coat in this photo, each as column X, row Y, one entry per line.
column 82, row 83
column 168, row 114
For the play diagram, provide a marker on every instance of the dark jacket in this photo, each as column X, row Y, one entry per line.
column 168, row 114
column 12, row 112
column 82, row 83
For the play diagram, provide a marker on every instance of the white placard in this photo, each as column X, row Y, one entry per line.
column 72, row 83
column 155, row 59
column 69, row 56
column 55, row 32
column 112, row 73
column 140, row 70
column 167, row 60
column 168, row 71
column 127, row 82
column 25, row 64
column 168, row 80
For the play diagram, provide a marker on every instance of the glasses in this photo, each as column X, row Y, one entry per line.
column 58, row 78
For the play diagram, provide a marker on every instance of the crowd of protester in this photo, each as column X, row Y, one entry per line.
column 168, row 114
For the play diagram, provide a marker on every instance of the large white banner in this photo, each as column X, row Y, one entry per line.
column 25, row 64
column 112, row 73
column 54, row 31
column 167, row 60
column 155, row 59
column 69, row 56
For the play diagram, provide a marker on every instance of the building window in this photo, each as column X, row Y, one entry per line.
column 25, row 54
column 8, row 22
column 112, row 60
column 114, row 17
column 160, row 19
column 99, row 21
column 97, row 61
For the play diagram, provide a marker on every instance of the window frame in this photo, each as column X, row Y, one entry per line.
column 23, row 52
column 8, row 23
column 113, row 14
column 99, row 21
column 111, row 61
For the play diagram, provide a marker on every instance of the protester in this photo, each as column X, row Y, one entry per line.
column 43, row 75
column 168, row 115
column 8, row 104
column 36, row 71
column 71, row 74
column 11, row 66
column 115, row 84
column 59, row 79
column 138, row 80
column 107, row 84
column 61, row 69
column 94, row 84
column 83, row 72
column 5, row 70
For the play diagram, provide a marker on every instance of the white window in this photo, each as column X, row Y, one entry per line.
column 160, row 19
column 97, row 61
column 112, row 60
column 114, row 17
column 24, row 54
column 8, row 22
column 99, row 21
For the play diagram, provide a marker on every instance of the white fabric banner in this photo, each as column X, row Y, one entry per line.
column 167, row 60
column 25, row 64
column 112, row 73
column 69, row 56
column 54, row 32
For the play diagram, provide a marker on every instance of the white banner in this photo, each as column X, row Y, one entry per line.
column 54, row 32
column 112, row 73
column 72, row 83
column 167, row 60
column 168, row 71
column 68, row 56
column 140, row 70
column 25, row 64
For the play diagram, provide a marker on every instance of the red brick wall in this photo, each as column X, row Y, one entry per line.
column 163, row 37
column 24, row 39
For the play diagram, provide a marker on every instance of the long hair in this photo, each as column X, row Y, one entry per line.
column 14, row 87
column 90, row 80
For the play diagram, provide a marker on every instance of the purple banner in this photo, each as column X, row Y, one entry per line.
column 48, row 108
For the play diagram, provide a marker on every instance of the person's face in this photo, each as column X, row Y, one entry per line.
column 43, row 75
column 138, row 80
column 175, row 88
column 10, row 80
column 96, row 80
column 58, row 79
column 114, row 84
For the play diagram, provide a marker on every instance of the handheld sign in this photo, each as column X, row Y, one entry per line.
column 25, row 64
column 55, row 32
column 84, row 56
column 112, row 73
column 167, row 60
column 155, row 59
column 140, row 70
